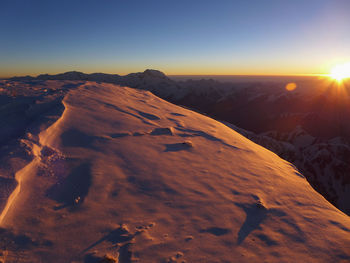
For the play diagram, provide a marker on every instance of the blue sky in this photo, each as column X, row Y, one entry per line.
column 177, row 37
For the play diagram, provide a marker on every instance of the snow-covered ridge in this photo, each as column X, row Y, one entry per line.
column 125, row 176
column 294, row 124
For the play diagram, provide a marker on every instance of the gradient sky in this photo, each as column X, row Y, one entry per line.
column 176, row 37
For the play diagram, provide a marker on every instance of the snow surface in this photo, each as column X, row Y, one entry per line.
column 123, row 175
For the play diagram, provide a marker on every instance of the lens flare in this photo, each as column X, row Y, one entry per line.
column 291, row 86
column 340, row 72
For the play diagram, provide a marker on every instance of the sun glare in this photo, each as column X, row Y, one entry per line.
column 340, row 72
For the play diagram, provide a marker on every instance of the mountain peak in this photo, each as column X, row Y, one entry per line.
column 154, row 73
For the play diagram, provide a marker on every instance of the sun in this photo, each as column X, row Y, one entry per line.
column 340, row 72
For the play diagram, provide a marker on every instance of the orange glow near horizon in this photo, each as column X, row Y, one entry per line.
column 168, row 72
column 224, row 68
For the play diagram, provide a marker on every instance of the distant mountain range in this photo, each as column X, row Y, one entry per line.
column 308, row 126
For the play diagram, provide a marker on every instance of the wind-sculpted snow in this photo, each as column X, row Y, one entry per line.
column 292, row 123
column 124, row 176
column 26, row 108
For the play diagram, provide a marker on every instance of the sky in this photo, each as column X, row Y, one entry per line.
column 224, row 37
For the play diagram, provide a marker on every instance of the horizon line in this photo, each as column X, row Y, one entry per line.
column 175, row 75
column 255, row 75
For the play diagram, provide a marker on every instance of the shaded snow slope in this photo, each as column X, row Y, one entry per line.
column 123, row 175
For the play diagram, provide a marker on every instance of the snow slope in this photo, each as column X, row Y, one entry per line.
column 125, row 176
column 307, row 126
